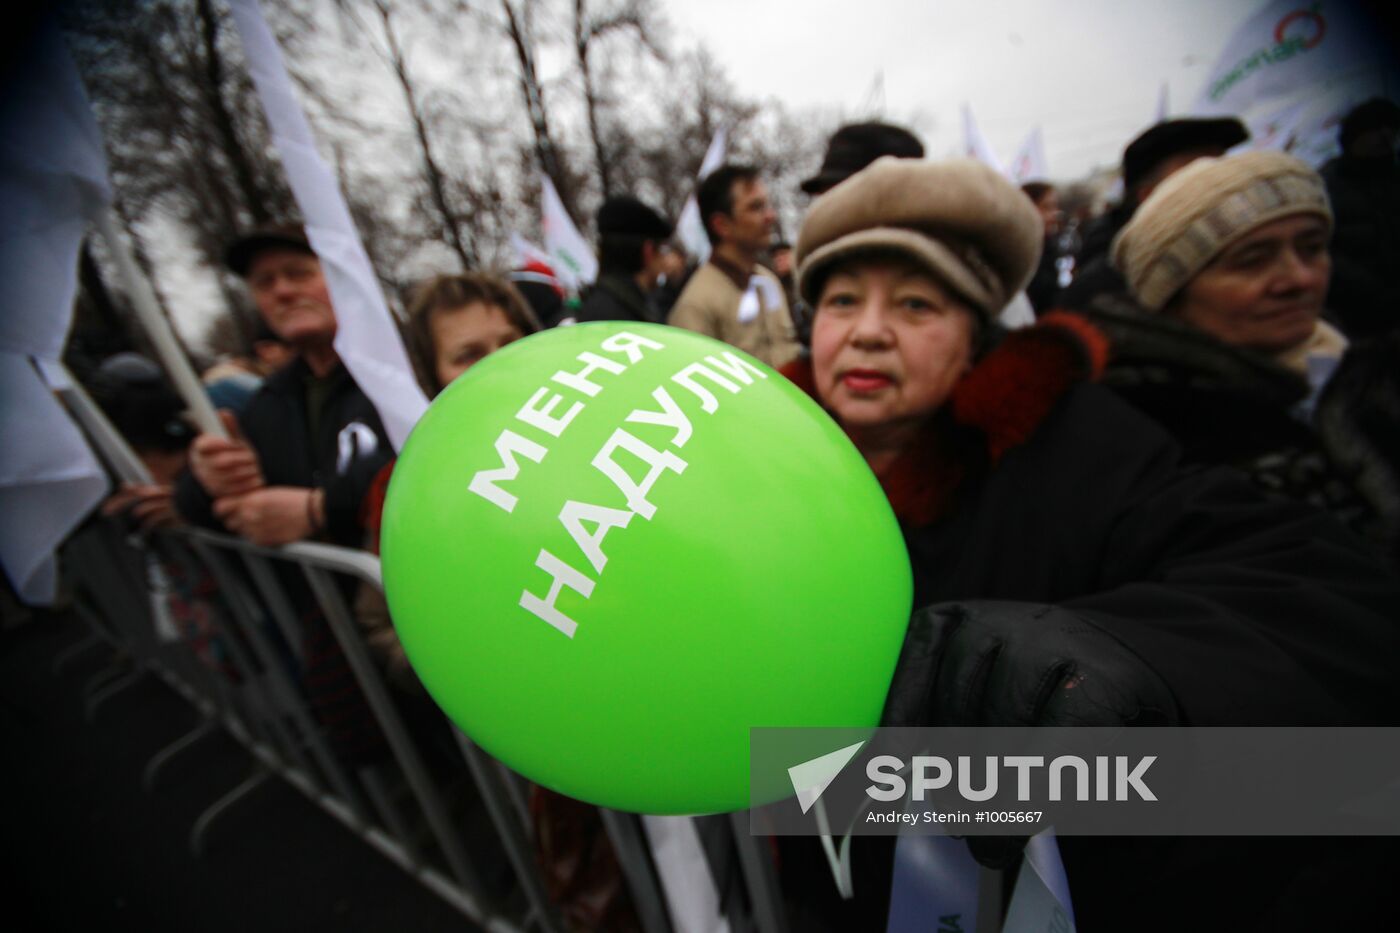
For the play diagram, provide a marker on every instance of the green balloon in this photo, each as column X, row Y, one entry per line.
column 612, row 549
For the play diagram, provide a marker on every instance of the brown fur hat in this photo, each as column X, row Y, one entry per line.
column 970, row 227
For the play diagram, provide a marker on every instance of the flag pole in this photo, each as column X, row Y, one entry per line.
column 102, row 435
column 153, row 322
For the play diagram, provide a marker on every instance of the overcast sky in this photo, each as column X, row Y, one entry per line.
column 1088, row 71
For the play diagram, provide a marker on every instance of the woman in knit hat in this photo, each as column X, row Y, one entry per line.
column 1066, row 570
column 1227, row 348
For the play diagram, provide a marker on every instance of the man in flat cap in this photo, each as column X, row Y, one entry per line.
column 302, row 454
column 631, row 240
column 732, row 297
column 1152, row 157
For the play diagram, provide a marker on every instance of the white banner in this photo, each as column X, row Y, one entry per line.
column 570, row 256
column 691, row 226
column 1030, row 164
column 975, row 145
column 53, row 183
column 366, row 338
column 1290, row 46
column 691, row 894
column 1279, row 129
column 934, row 885
column 525, row 252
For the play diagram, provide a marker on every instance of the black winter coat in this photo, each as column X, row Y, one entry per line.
column 350, row 447
column 1227, row 406
column 1254, row 611
column 616, row 298
column 1365, row 294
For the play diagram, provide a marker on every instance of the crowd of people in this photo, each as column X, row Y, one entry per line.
column 1147, row 465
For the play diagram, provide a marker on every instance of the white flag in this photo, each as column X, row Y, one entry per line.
column 1288, row 47
column 366, row 338
column 691, row 227
column 1314, row 135
column 684, row 873
column 570, row 256
column 975, row 144
column 524, row 252
column 53, row 183
column 1029, row 164
column 1277, row 129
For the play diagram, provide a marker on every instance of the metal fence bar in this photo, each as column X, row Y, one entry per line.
column 512, row 830
column 630, row 844
column 405, row 752
column 390, row 815
column 760, row 877
column 280, row 607
column 258, row 596
column 241, row 619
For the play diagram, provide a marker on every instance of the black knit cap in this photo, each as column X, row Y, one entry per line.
column 1377, row 113
column 132, row 391
column 624, row 215
column 855, row 146
column 239, row 255
column 1170, row 137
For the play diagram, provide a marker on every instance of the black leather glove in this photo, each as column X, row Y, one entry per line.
column 1020, row 664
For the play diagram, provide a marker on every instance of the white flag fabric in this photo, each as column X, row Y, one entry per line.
column 975, row 145
column 366, row 338
column 1278, row 129
column 524, row 252
column 1041, row 898
column 691, row 226
column 1030, row 164
column 934, row 885
column 685, row 876
column 570, row 256
column 53, row 183
column 691, row 230
column 1314, row 135
column 715, row 154
column 1288, row 47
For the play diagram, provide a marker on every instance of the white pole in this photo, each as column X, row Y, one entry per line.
column 101, row 433
column 153, row 322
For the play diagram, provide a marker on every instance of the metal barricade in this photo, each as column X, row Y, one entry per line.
column 410, row 806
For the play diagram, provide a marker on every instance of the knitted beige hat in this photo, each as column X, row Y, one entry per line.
column 1199, row 211
column 974, row 230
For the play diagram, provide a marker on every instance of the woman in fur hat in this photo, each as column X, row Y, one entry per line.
column 1067, row 570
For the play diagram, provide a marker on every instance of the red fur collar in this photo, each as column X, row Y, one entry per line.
column 994, row 408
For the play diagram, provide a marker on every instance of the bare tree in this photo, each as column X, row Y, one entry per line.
column 451, row 224
column 589, row 29
column 519, row 16
column 182, row 125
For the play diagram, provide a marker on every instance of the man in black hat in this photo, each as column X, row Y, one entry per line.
column 1364, row 186
column 1154, row 155
column 631, row 238
column 301, row 456
column 856, row 145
